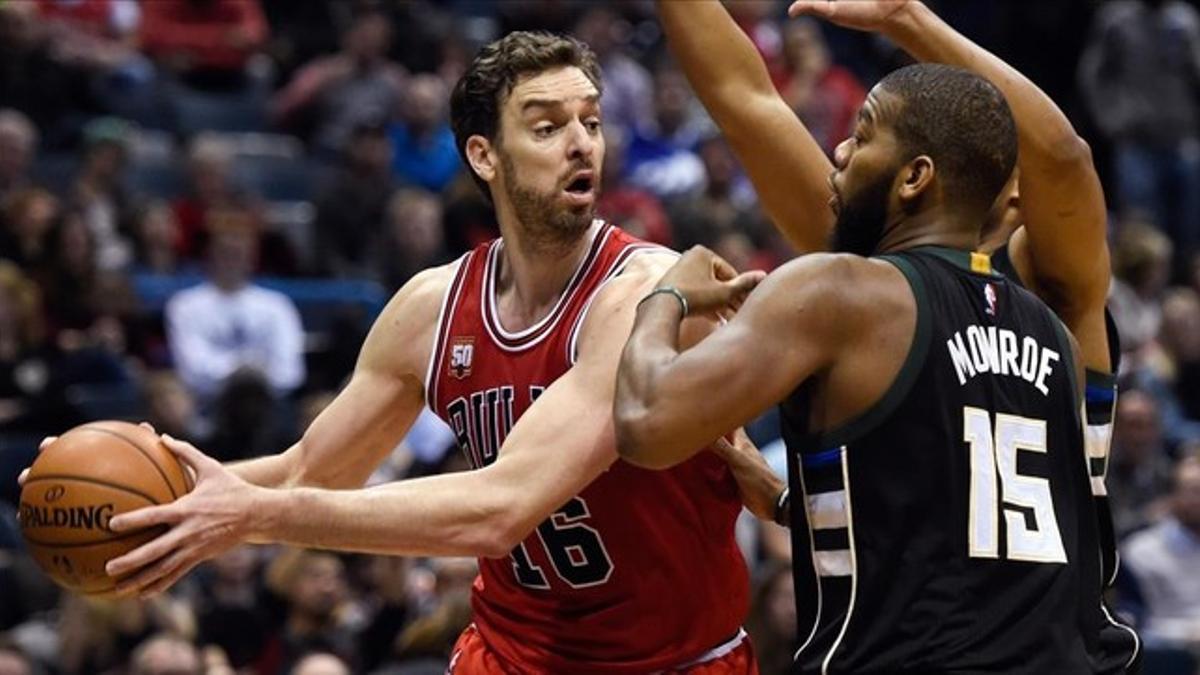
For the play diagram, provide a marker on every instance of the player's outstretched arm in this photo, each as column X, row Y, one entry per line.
column 1062, row 252
column 785, row 162
column 559, row 445
column 670, row 402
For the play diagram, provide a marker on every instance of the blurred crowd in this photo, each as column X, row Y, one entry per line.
column 203, row 204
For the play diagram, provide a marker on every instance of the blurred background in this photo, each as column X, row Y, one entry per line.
column 297, row 156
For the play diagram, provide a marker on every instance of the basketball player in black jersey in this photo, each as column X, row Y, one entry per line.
column 1046, row 230
column 942, row 514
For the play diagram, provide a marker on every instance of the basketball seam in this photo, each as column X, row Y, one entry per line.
column 96, row 481
column 122, row 537
column 141, row 451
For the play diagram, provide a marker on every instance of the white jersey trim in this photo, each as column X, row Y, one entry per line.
column 491, row 313
column 721, row 650
column 622, row 260
column 853, row 564
column 439, row 335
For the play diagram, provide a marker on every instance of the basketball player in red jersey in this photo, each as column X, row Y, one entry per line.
column 587, row 564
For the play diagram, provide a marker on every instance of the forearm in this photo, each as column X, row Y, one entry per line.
column 720, row 61
column 786, row 164
column 271, row 471
column 450, row 515
column 1045, row 132
column 645, row 362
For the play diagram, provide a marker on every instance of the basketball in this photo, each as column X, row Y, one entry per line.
column 78, row 483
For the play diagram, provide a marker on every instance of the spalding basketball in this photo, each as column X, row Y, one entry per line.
column 78, row 483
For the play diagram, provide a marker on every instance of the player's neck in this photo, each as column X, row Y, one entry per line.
column 932, row 228
column 532, row 277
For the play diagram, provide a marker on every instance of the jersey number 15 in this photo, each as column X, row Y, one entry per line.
column 995, row 451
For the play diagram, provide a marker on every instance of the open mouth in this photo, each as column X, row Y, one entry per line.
column 580, row 186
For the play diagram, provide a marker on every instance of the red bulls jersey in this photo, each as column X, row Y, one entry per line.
column 637, row 573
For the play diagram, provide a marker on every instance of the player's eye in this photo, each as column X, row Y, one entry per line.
column 545, row 130
column 593, row 125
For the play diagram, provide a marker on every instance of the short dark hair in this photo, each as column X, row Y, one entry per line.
column 962, row 122
column 477, row 98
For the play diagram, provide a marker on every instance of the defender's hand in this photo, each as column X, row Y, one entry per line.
column 219, row 513
column 709, row 283
column 757, row 483
column 865, row 15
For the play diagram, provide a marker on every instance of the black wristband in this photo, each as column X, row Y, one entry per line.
column 783, row 507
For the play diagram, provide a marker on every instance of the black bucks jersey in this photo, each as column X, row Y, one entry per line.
column 951, row 527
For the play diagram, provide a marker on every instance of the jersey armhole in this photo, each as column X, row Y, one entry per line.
column 441, row 329
column 905, row 379
column 619, row 265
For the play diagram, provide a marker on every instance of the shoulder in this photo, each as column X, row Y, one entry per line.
column 838, row 279
column 401, row 338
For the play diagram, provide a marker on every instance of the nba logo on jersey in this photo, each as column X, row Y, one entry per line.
column 989, row 294
column 461, row 352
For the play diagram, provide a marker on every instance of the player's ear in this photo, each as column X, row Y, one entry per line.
column 916, row 177
column 481, row 155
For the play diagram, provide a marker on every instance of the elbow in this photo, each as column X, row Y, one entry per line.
column 1069, row 150
column 638, row 441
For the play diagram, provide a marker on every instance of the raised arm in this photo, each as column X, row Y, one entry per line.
column 787, row 166
column 1062, row 252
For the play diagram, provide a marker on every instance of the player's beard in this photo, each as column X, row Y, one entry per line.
column 547, row 223
column 861, row 218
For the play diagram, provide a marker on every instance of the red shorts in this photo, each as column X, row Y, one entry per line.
column 472, row 656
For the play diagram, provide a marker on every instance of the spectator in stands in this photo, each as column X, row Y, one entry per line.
column 32, row 78
column 661, row 157
column 633, row 208
column 1141, row 270
column 230, row 609
column 824, row 95
column 228, row 323
column 31, row 380
column 413, row 238
column 1139, row 469
column 18, row 148
column 99, row 192
column 628, row 87
column 1180, row 339
column 206, row 42
column 1140, row 76
column 29, row 215
column 209, row 188
column 1164, row 560
column 170, row 408
column 423, row 142
column 351, row 209
column 157, row 241
column 340, row 91
column 388, row 602
column 321, row 663
column 101, row 38
column 166, row 655
column 314, row 585
column 97, row 635
column 14, row 662
column 717, row 205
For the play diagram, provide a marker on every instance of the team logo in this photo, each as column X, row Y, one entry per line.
column 462, row 350
column 989, row 294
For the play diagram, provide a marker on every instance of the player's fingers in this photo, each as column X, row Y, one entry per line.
column 821, row 8
column 147, row 426
column 722, row 270
column 46, row 442
column 140, row 557
column 188, row 453
column 22, row 476
column 742, row 284
column 145, row 517
column 167, row 581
